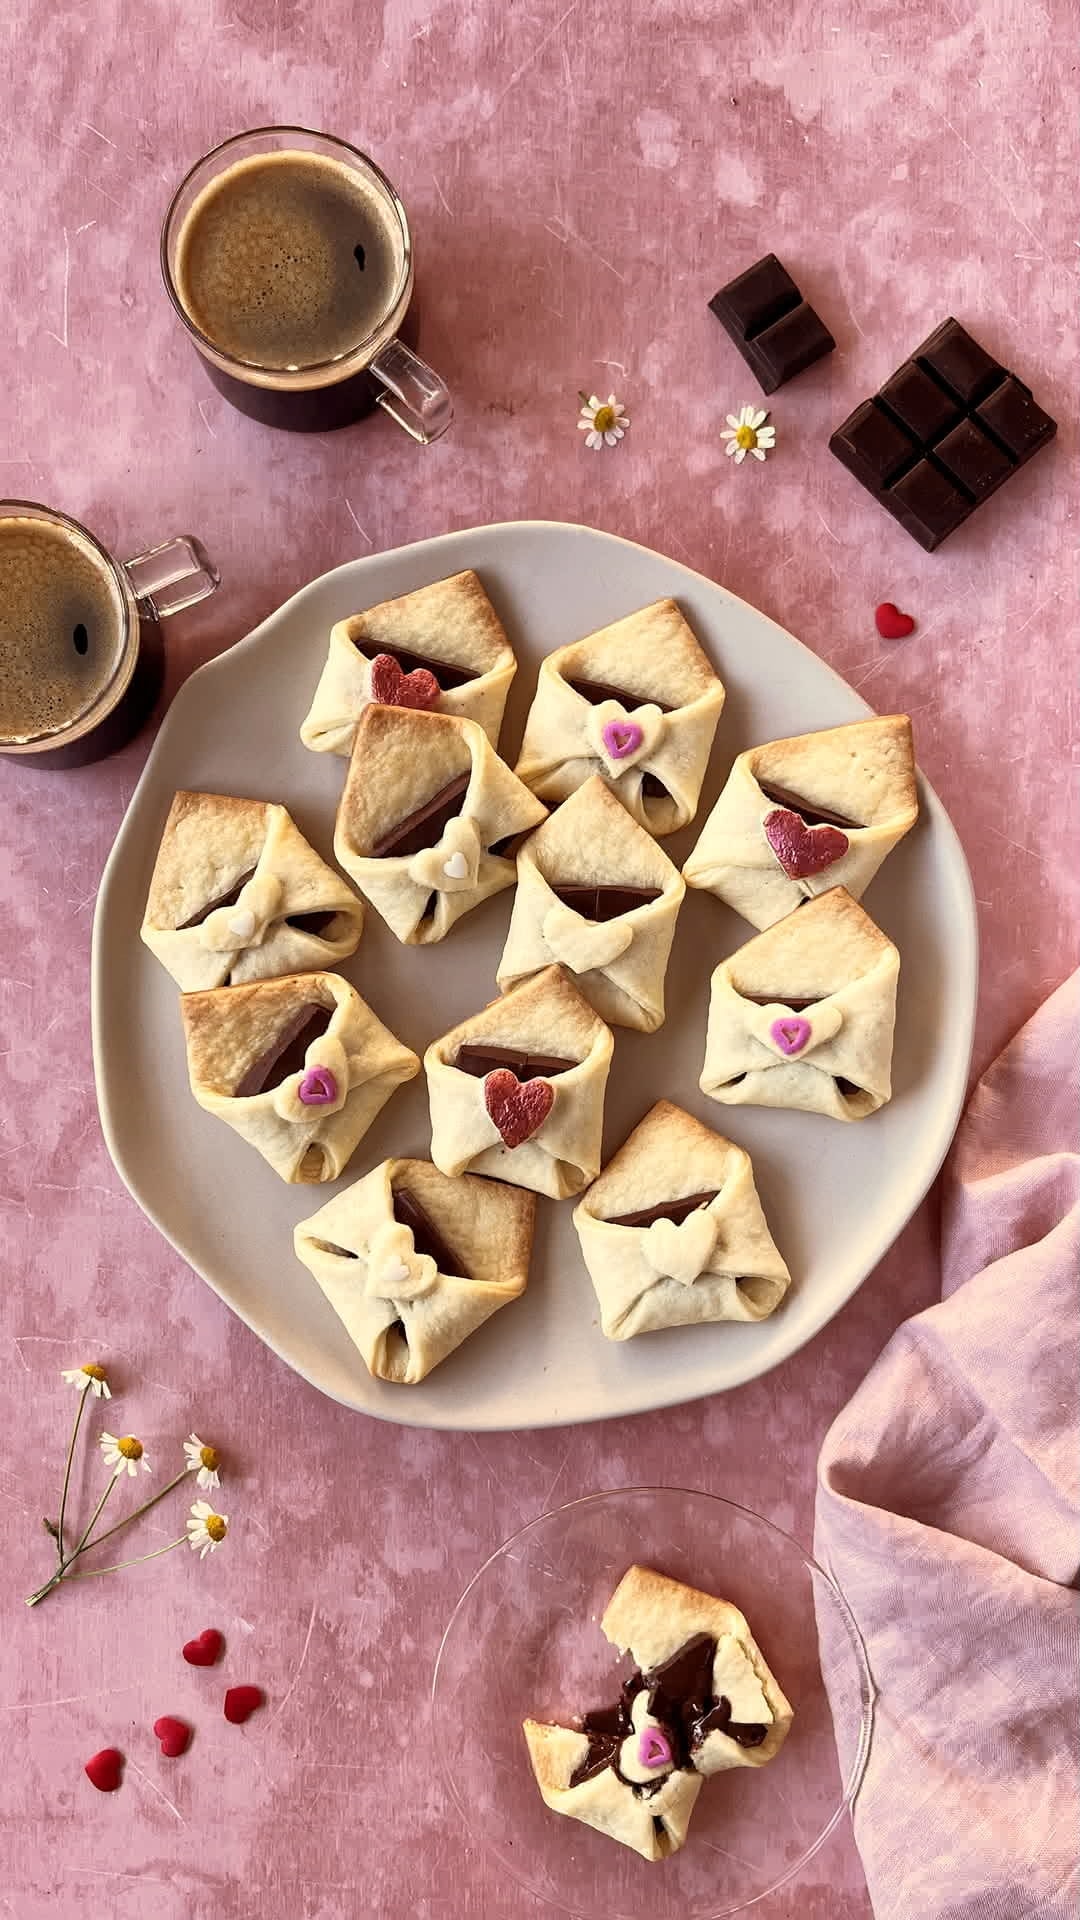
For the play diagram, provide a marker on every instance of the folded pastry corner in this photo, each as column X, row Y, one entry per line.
column 638, row 703
column 237, row 894
column 673, row 1233
column 517, row 1090
column 799, row 816
column 299, row 1067
column 413, row 1262
column 802, row 1015
column 651, row 1818
column 440, row 649
column 596, row 895
column 426, row 818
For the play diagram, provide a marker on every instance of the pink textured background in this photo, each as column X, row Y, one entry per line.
column 580, row 178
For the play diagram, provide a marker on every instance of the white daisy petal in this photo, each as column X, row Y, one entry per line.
column 732, row 422
column 757, row 453
column 733, row 447
column 728, row 434
column 745, row 415
column 766, row 437
column 740, row 456
column 759, row 418
column 593, row 401
column 594, row 440
column 610, row 439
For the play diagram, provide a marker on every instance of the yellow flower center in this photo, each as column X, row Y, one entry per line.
column 129, row 1447
column 745, row 437
column 216, row 1526
column 93, row 1371
column 209, row 1458
column 604, row 419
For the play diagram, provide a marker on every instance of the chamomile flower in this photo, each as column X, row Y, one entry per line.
column 747, row 433
column 205, row 1528
column 89, row 1375
column 124, row 1455
column 203, row 1462
column 603, row 422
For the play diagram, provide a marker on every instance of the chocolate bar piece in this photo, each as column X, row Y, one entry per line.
column 778, row 999
column 426, row 1236
column 480, row 1061
column 223, row 900
column 813, row 816
column 595, row 692
column 446, row 675
column 311, row 922
column 285, row 1054
column 424, row 827
column 676, row 1210
column 942, row 434
column 605, row 903
column 775, row 330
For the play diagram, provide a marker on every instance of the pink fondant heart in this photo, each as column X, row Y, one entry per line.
column 621, row 737
column 105, row 1769
column 317, row 1088
column 392, row 688
column 517, row 1109
column 653, row 1748
column 174, row 1735
column 791, row 1034
column 802, row 850
column 891, row 623
column 203, row 1651
column 240, row 1702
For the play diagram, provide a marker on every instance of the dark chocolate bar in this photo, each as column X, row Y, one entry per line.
column 424, row 826
column 446, row 675
column 779, row 999
column 426, row 1236
column 677, row 1210
column 286, row 1052
column 942, row 434
column 311, row 922
column 605, row 903
column 482, row 1060
column 814, row 816
column 596, row 692
column 223, row 900
column 775, row 330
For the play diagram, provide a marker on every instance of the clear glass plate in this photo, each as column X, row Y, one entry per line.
column 525, row 1639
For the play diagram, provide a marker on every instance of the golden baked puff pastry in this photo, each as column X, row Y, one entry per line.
column 673, row 1232
column 517, row 1090
column 636, row 702
column 299, row 1067
column 413, row 1262
column 598, row 896
column 441, row 649
column 237, row 894
column 803, row 1014
column 426, row 819
column 799, row 816
column 701, row 1699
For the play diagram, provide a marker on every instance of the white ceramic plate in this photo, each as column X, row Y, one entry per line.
column 835, row 1196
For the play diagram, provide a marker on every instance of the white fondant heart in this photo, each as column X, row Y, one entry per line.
column 392, row 1274
column 395, row 1271
column 680, row 1250
column 610, row 730
column 452, row 865
column 584, row 945
column 790, row 1035
column 243, row 924
column 457, row 867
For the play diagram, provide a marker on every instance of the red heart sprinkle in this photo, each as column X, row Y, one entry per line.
column 517, row 1110
column 802, row 850
column 891, row 623
column 175, row 1735
column 392, row 688
column 242, row 1701
column 104, row 1770
column 206, row 1650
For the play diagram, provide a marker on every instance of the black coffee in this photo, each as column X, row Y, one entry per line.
column 62, row 628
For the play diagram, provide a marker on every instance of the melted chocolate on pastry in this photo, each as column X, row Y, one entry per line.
column 846, row 1087
column 814, row 816
column 446, row 675
column 285, row 1055
column 426, row 1235
column 424, row 827
column 779, row 999
column 681, row 1699
column 311, row 922
column 482, row 1060
column 605, row 903
column 331, row 1246
column 223, row 900
column 596, row 692
column 676, row 1210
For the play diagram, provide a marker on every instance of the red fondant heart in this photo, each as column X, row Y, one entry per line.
column 204, row 1651
column 105, row 1769
column 891, row 623
column 802, row 850
column 175, row 1735
column 392, row 688
column 517, row 1109
column 242, row 1701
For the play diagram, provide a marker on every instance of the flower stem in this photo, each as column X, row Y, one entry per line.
column 134, row 1515
column 67, row 1474
column 61, row 1571
column 92, row 1572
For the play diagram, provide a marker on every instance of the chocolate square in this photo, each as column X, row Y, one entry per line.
column 872, row 446
column 927, row 503
column 919, row 403
column 959, row 362
column 1015, row 418
column 755, row 299
column 775, row 330
column 972, row 458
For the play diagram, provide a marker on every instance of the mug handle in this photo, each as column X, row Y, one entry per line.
column 413, row 394
column 172, row 576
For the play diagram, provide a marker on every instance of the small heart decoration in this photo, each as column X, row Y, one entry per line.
column 242, row 924
column 891, row 623
column 802, row 850
column 242, row 1702
column 318, row 1088
column 518, row 1108
column 105, row 1770
column 457, row 867
column 392, row 688
column 394, row 1274
column 791, row 1034
column 680, row 1251
column 621, row 738
column 654, row 1748
column 174, row 1735
column 205, row 1649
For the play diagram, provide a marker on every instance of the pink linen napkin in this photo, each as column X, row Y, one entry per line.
column 948, row 1511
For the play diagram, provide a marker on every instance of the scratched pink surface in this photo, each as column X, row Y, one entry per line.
column 580, row 178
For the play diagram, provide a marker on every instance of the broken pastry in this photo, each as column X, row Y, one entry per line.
column 299, row 1067
column 803, row 1014
column 638, row 703
column 238, row 894
column 800, row 816
column 441, row 649
column 413, row 1262
column 517, row 1090
column 701, row 1699
column 425, row 820
column 673, row 1232
column 596, row 894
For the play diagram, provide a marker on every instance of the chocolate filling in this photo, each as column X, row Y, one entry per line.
column 814, row 816
column 331, row 1246
column 285, row 1054
column 677, row 1210
column 846, row 1087
column 681, row 1699
column 311, row 922
column 652, row 788
column 482, row 1060
column 783, row 999
column 223, row 900
column 596, row 692
column 605, row 903
column 424, row 826
column 446, row 675
column 426, row 1236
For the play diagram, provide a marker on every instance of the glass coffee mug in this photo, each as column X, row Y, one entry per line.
column 81, row 654
column 287, row 256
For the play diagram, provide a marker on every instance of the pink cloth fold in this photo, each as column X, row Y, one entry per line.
column 948, row 1511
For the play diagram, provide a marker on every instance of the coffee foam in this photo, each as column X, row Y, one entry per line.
column 62, row 626
column 266, row 261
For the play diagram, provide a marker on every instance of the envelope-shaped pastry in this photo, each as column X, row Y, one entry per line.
column 638, row 703
column 517, row 1090
column 596, row 895
column 802, row 1015
column 299, row 1067
column 413, row 1262
column 800, row 816
column 441, row 649
column 427, row 818
column 238, row 894
column 673, row 1233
